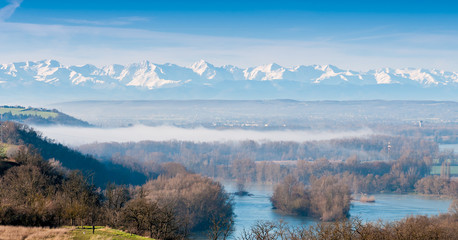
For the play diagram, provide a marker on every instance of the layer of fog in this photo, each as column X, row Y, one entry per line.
column 76, row 136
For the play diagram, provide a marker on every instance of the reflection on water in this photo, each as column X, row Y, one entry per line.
column 387, row 207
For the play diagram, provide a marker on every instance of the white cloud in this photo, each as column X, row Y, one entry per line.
column 120, row 21
column 7, row 11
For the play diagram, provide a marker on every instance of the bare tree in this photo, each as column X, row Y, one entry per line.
column 221, row 228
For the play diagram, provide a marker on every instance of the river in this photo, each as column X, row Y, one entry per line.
column 387, row 207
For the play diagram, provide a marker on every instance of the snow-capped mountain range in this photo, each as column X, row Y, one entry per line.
column 37, row 80
column 151, row 76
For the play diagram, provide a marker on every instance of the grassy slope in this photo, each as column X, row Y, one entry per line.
column 33, row 112
column 65, row 233
column 102, row 233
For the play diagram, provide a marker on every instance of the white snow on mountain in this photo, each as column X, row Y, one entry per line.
column 204, row 69
column 383, row 77
column 265, row 72
column 144, row 74
column 151, row 76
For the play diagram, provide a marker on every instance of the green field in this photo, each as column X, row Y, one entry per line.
column 30, row 112
column 436, row 170
column 102, row 233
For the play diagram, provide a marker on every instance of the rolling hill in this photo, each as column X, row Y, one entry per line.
column 38, row 116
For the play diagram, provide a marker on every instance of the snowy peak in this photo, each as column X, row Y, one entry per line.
column 265, row 72
column 328, row 68
column 145, row 74
column 149, row 75
column 204, row 69
column 201, row 66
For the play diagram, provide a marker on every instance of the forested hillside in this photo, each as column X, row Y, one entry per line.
column 103, row 173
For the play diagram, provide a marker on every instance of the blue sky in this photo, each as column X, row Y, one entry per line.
column 358, row 35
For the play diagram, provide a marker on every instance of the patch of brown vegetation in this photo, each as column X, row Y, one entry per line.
column 33, row 233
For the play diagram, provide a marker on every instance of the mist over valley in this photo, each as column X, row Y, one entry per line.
column 75, row 136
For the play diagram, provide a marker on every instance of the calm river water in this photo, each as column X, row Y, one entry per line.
column 249, row 209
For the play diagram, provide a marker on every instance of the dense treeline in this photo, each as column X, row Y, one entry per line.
column 407, row 174
column 396, row 163
column 437, row 185
column 194, row 154
column 18, row 134
column 43, row 193
column 253, row 159
column 419, row 227
column 326, row 198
